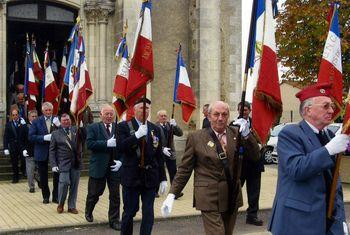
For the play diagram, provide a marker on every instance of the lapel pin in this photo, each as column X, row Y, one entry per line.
column 210, row 144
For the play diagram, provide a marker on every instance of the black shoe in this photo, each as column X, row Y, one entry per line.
column 89, row 218
column 32, row 190
column 115, row 225
column 254, row 221
column 15, row 181
column 179, row 195
column 46, row 201
column 54, row 200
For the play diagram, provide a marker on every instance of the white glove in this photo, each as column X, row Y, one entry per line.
column 22, row 121
column 338, row 144
column 6, row 152
column 112, row 142
column 117, row 165
column 142, row 131
column 25, row 153
column 243, row 126
column 172, row 122
column 346, row 229
column 56, row 121
column 167, row 151
column 47, row 137
column 167, row 205
column 55, row 169
column 162, row 187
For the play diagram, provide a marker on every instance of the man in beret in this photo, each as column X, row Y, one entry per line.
column 141, row 175
column 307, row 153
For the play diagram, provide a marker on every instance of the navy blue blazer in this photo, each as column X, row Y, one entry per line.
column 300, row 201
column 12, row 136
column 36, row 135
column 132, row 175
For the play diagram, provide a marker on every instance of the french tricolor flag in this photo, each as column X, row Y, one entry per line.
column 141, row 66
column 266, row 95
column 121, row 79
column 50, row 91
column 331, row 64
column 183, row 93
column 30, row 86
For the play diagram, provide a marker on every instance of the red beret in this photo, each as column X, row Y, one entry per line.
column 322, row 89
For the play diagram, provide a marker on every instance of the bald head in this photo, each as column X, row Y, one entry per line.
column 219, row 113
column 107, row 114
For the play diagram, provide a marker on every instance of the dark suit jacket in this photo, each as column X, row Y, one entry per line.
column 210, row 186
column 128, row 144
column 36, row 135
column 100, row 159
column 62, row 151
column 25, row 143
column 206, row 123
column 12, row 137
column 176, row 131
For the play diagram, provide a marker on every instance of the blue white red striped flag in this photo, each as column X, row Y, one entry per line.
column 183, row 93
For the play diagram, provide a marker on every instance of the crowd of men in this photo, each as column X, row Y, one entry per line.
column 224, row 156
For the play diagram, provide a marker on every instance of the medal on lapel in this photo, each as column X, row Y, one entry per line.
column 155, row 139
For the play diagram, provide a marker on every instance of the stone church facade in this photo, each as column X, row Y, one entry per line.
column 209, row 32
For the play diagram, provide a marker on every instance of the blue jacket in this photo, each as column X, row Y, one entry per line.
column 36, row 135
column 300, row 201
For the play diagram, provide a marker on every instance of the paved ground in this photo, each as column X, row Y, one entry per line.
column 23, row 211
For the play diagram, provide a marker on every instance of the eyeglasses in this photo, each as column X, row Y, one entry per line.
column 224, row 115
column 326, row 106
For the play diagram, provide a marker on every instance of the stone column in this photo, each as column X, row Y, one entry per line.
column 210, row 52
column 91, row 18
column 104, row 12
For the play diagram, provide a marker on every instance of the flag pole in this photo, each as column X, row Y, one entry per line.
column 238, row 154
column 143, row 142
column 62, row 84
column 25, row 78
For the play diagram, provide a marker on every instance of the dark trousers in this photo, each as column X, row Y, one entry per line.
column 253, row 192
column 171, row 165
column 131, row 197
column 44, row 182
column 96, row 188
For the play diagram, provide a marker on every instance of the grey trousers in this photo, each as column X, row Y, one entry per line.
column 30, row 167
column 68, row 179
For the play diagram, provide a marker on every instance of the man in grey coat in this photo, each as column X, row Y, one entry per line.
column 64, row 159
column 167, row 131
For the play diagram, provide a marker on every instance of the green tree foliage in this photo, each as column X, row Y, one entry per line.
column 301, row 33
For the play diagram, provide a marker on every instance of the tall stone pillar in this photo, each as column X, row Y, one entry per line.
column 97, row 14
column 210, row 52
column 91, row 19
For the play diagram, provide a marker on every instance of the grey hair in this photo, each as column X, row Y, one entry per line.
column 32, row 112
column 218, row 102
column 46, row 105
column 304, row 104
column 107, row 106
column 161, row 111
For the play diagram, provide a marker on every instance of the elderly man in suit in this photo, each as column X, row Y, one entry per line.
column 306, row 153
column 167, row 131
column 141, row 175
column 12, row 135
column 210, row 153
column 63, row 154
column 40, row 134
column 104, row 166
column 27, row 148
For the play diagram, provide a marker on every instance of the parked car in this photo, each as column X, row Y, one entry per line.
column 269, row 151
